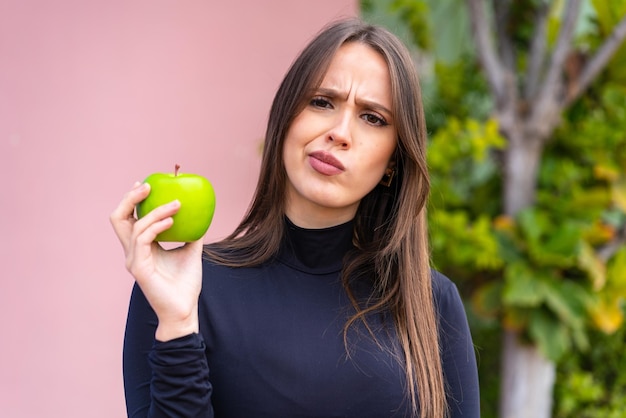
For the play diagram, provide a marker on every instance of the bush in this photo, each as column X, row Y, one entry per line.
column 592, row 384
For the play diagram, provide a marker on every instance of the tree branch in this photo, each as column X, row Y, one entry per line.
column 563, row 45
column 537, row 52
column 502, row 11
column 547, row 107
column 598, row 62
column 485, row 48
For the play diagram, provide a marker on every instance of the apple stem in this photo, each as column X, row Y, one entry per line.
column 176, row 168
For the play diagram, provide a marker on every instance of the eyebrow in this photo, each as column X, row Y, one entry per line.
column 332, row 93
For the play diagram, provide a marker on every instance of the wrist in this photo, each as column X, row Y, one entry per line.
column 171, row 329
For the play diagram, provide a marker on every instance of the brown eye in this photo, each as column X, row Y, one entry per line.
column 321, row 103
column 374, row 119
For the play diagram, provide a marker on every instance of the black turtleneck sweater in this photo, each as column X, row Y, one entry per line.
column 271, row 345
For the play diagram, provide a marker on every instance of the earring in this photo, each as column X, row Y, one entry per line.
column 388, row 176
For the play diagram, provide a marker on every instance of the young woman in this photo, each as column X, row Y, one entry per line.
column 322, row 302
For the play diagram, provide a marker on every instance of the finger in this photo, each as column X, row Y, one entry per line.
column 154, row 216
column 144, row 245
column 144, row 232
column 149, row 234
column 146, row 229
column 122, row 218
column 125, row 209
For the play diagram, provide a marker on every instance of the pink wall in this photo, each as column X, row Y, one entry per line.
column 93, row 96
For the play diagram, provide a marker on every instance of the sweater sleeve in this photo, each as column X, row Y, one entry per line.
column 457, row 351
column 163, row 379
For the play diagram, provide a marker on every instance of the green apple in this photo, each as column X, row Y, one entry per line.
column 197, row 204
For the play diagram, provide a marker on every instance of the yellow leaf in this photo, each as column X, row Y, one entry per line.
column 616, row 274
column 486, row 301
column 599, row 233
column 504, row 223
column 607, row 315
column 590, row 263
column 618, row 190
column 513, row 320
column 603, row 172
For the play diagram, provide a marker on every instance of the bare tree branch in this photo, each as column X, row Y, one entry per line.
column 598, row 62
column 563, row 45
column 502, row 9
column 537, row 52
column 485, row 48
column 547, row 106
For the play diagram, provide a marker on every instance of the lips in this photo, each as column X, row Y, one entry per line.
column 325, row 163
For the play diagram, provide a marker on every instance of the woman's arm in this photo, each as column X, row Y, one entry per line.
column 163, row 379
column 457, row 351
column 165, row 366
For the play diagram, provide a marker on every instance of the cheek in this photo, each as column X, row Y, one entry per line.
column 293, row 139
column 292, row 152
column 289, row 146
column 382, row 149
column 373, row 168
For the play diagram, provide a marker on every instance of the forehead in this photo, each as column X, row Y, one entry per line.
column 357, row 67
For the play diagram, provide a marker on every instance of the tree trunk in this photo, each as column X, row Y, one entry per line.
column 522, row 159
column 527, row 380
column 527, row 377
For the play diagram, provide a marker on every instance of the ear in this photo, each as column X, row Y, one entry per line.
column 390, row 173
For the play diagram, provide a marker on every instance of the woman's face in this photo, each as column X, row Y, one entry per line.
column 337, row 148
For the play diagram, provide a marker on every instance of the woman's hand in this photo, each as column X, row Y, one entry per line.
column 170, row 279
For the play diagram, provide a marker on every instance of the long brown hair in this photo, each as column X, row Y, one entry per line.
column 390, row 230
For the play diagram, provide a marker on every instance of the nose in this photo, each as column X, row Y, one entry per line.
column 340, row 133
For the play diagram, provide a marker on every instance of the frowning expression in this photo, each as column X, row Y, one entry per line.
column 338, row 147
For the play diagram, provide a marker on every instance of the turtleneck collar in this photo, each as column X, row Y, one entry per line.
column 316, row 251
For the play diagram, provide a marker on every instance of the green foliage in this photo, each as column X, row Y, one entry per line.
column 593, row 141
column 522, row 27
column 607, row 15
column 459, row 86
column 487, row 340
column 415, row 14
column 541, row 273
column 593, row 384
column 367, row 6
column 469, row 144
column 554, row 285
